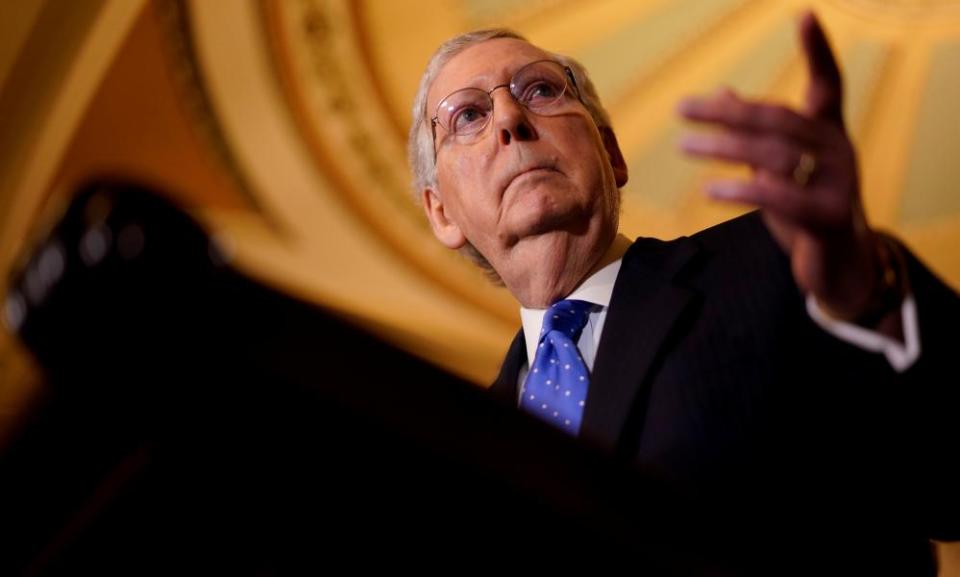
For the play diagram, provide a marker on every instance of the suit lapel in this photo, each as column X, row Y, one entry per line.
column 505, row 387
column 646, row 304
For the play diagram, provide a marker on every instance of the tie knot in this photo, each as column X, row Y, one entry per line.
column 568, row 317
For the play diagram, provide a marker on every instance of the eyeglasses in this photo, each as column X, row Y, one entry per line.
column 539, row 86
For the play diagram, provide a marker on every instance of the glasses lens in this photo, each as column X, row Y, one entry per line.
column 539, row 85
column 465, row 111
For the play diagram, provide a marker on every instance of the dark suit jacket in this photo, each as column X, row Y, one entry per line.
column 711, row 374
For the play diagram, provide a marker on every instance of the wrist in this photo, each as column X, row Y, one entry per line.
column 889, row 286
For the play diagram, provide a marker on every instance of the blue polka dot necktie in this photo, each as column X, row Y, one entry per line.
column 556, row 386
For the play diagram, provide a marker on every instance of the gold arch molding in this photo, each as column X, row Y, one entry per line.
column 313, row 98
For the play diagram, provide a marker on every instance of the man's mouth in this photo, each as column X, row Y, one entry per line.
column 531, row 172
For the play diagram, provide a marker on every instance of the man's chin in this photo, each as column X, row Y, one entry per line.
column 551, row 225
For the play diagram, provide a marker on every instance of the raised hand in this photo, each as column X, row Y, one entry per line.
column 804, row 178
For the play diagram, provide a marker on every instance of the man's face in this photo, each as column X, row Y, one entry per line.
column 525, row 177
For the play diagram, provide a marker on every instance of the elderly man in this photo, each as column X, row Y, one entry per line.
column 764, row 355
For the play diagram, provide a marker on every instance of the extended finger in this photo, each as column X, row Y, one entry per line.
column 825, row 91
column 733, row 112
column 776, row 195
column 760, row 151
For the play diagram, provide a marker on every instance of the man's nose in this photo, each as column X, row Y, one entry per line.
column 511, row 120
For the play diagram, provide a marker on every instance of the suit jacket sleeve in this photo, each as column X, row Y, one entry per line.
column 931, row 395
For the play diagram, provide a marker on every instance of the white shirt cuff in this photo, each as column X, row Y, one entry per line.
column 900, row 355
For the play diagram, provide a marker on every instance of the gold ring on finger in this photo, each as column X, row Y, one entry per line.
column 806, row 165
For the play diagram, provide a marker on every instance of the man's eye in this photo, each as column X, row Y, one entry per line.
column 466, row 118
column 540, row 92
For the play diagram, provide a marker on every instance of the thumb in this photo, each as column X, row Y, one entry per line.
column 825, row 91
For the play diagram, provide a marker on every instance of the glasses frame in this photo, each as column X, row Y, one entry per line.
column 570, row 83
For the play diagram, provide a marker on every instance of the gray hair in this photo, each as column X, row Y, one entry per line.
column 420, row 145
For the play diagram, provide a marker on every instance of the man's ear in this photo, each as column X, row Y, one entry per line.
column 446, row 230
column 616, row 157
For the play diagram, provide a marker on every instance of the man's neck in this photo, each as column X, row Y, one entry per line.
column 544, row 286
column 616, row 251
